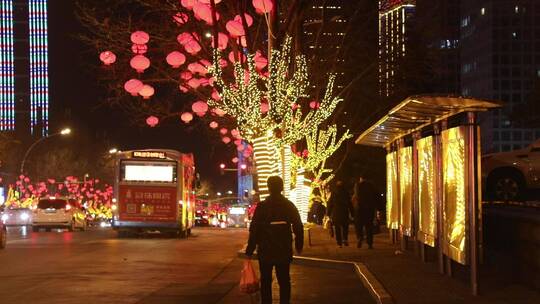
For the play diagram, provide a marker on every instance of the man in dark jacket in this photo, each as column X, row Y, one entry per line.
column 270, row 232
column 365, row 201
column 339, row 209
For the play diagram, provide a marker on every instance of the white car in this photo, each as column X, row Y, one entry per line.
column 17, row 217
column 57, row 213
column 509, row 176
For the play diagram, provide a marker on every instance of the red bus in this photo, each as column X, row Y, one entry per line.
column 154, row 191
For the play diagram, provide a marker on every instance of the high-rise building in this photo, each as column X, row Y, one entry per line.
column 500, row 60
column 396, row 20
column 24, row 80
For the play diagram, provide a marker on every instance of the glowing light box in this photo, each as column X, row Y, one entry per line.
column 149, row 173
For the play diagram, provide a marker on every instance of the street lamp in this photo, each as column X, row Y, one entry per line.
column 113, row 151
column 63, row 132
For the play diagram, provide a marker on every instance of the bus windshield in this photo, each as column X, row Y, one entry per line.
column 148, row 171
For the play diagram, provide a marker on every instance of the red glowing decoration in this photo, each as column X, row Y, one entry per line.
column 235, row 160
column 146, row 91
column 192, row 47
column 240, row 148
column 238, row 142
column 219, row 112
column 314, row 104
column 265, row 107
column 223, row 41
column 140, row 37
column 215, row 95
column 140, row 63
column 235, row 28
column 133, row 86
column 213, row 125
column 107, row 57
column 233, row 56
column 184, row 38
column 176, row 59
column 180, row 18
column 139, row 49
column 263, row 6
column 152, row 121
column 235, row 133
column 223, row 131
column 183, row 89
column 186, row 75
column 194, row 83
column 204, row 12
column 249, row 19
column 226, row 139
column 200, row 108
column 196, row 67
column 188, row 3
column 222, row 62
column 186, row 117
column 208, row 1
column 260, row 61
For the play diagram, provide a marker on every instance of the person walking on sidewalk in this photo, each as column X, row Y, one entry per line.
column 270, row 232
column 339, row 209
column 364, row 200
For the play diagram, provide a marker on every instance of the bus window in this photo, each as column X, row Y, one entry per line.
column 139, row 171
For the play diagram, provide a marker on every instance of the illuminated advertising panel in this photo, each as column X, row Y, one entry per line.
column 455, row 179
column 392, row 199
column 149, row 173
column 427, row 208
column 7, row 67
column 406, row 190
column 139, row 203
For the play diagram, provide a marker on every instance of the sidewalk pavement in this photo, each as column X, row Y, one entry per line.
column 409, row 280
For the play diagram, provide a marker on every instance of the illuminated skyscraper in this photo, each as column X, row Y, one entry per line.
column 24, row 82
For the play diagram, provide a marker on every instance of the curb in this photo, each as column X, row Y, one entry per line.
column 375, row 288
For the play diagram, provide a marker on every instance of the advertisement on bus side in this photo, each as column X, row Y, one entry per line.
column 151, row 204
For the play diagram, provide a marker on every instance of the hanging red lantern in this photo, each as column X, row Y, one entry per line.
column 260, row 61
column 186, row 117
column 232, row 57
column 176, row 59
column 152, row 121
column 208, row 1
column 213, row 125
column 183, row 89
column 192, row 47
column 226, row 140
column 235, row 160
column 140, row 37
column 223, row 131
column 235, row 133
column 139, row 49
column 235, row 28
column 194, row 83
column 222, row 63
column 223, row 41
column 219, row 112
column 188, row 3
column 107, row 57
column 249, row 19
column 265, row 107
column 314, row 105
column 133, row 86
column 146, row 91
column 263, row 6
column 238, row 142
column 196, row 67
column 204, row 82
column 204, row 12
column 180, row 18
column 240, row 148
column 184, row 38
column 186, row 75
column 139, row 63
column 200, row 108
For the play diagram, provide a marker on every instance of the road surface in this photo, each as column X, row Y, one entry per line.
column 97, row 267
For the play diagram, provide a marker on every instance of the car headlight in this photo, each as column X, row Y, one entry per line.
column 5, row 217
column 24, row 216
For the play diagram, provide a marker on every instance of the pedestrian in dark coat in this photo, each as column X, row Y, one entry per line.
column 270, row 232
column 339, row 209
column 365, row 199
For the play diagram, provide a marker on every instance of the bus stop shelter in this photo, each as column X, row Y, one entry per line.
column 433, row 188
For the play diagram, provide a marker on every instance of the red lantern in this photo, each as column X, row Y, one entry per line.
column 146, row 91
column 208, row 1
column 186, row 75
column 265, row 107
column 184, row 38
column 133, row 86
column 215, row 95
column 107, row 57
column 223, row 131
column 139, row 49
column 192, row 47
column 194, row 83
column 188, row 3
column 196, row 67
column 240, row 148
column 235, row 160
column 238, row 142
column 213, row 125
column 249, row 19
column 180, row 18
column 139, row 63
column 152, row 121
column 223, row 40
column 226, row 140
column 204, row 12
column 200, row 108
column 219, row 112
column 263, row 6
column 260, row 61
column 314, row 105
column 235, row 133
column 176, row 59
column 204, row 82
column 235, row 28
column 222, row 62
column 186, row 117
column 232, row 57
column 140, row 37
column 183, row 89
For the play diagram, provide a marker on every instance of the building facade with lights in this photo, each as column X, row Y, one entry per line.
column 24, row 80
column 500, row 60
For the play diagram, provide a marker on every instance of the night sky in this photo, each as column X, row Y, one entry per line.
column 75, row 99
